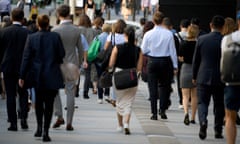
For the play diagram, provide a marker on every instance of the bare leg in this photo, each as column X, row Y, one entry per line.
column 120, row 120
column 230, row 126
column 127, row 119
column 186, row 95
column 194, row 102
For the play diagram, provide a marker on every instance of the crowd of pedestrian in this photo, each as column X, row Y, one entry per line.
column 48, row 58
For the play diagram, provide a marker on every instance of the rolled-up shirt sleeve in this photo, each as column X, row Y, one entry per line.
column 145, row 45
column 173, row 53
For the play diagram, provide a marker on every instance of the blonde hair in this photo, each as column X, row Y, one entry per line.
column 106, row 28
column 158, row 17
column 229, row 26
column 192, row 32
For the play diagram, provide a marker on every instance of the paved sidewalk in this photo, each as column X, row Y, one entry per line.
column 96, row 124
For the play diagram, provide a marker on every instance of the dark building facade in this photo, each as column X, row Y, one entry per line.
column 202, row 9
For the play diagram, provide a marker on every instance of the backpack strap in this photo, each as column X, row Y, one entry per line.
column 179, row 36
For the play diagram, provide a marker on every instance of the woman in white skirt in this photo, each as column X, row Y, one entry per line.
column 125, row 56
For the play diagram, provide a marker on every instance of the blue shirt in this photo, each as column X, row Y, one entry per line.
column 103, row 38
column 159, row 42
column 5, row 6
column 84, row 42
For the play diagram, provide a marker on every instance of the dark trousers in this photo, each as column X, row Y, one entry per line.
column 12, row 89
column 160, row 73
column 4, row 14
column 98, row 13
column 87, row 81
column 145, row 12
column 179, row 90
column 117, row 7
column 204, row 93
column 106, row 91
column 44, row 106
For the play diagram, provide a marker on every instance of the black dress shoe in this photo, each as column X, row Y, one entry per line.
column 203, row 132
column 13, row 127
column 69, row 127
column 58, row 123
column 154, row 117
column 38, row 133
column 46, row 137
column 218, row 135
column 163, row 115
column 24, row 124
column 85, row 96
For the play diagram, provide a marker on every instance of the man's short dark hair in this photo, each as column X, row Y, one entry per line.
column 218, row 22
column 63, row 10
column 142, row 21
column 17, row 14
column 195, row 21
column 185, row 23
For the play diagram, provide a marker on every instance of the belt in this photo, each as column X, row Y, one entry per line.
column 159, row 58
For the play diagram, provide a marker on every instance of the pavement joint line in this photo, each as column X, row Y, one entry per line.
column 161, row 136
column 153, row 124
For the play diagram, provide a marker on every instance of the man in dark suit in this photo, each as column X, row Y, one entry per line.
column 12, row 41
column 206, row 74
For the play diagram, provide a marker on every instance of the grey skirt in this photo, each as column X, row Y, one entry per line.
column 186, row 76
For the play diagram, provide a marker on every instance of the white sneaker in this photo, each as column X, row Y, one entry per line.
column 119, row 129
column 106, row 98
column 125, row 125
column 180, row 106
column 100, row 101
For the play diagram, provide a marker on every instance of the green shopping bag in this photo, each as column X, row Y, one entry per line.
column 93, row 49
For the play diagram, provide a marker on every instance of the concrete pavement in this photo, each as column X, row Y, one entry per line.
column 96, row 124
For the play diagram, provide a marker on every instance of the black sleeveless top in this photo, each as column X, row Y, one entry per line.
column 127, row 56
column 90, row 5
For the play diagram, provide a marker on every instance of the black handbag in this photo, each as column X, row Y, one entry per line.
column 105, row 80
column 126, row 78
column 103, row 57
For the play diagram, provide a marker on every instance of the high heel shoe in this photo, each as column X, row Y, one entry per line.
column 186, row 120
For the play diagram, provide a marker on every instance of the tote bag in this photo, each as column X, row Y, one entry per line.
column 94, row 49
column 105, row 80
column 126, row 78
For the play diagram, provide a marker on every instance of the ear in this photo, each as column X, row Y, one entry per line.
column 210, row 25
